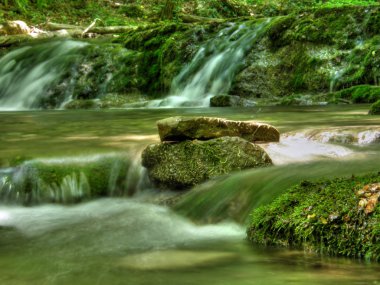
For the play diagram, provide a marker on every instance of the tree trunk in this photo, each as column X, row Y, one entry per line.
column 167, row 11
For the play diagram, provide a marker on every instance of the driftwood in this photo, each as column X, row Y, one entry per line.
column 111, row 29
column 98, row 30
column 13, row 40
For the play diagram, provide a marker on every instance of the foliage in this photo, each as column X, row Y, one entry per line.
column 321, row 216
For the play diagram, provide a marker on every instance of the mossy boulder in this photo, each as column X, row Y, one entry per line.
column 224, row 101
column 71, row 180
column 230, row 101
column 375, row 108
column 314, row 52
column 205, row 128
column 329, row 216
column 184, row 164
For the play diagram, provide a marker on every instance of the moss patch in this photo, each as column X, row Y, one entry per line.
column 321, row 216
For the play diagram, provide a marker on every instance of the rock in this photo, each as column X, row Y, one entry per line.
column 14, row 28
column 204, row 128
column 324, row 216
column 230, row 101
column 184, row 164
column 224, row 101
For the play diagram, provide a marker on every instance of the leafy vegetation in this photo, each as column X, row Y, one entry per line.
column 324, row 216
column 138, row 11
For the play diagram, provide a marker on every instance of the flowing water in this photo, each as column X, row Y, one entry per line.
column 213, row 67
column 27, row 73
column 128, row 240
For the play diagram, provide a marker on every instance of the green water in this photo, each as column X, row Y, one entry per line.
column 69, row 133
column 129, row 241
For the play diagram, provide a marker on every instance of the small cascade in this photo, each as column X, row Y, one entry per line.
column 71, row 180
column 234, row 197
column 27, row 73
column 213, row 67
column 334, row 78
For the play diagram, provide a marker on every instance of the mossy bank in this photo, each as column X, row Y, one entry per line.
column 328, row 216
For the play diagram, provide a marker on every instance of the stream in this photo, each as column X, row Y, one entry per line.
column 130, row 240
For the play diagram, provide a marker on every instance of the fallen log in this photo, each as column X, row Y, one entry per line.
column 196, row 19
column 50, row 26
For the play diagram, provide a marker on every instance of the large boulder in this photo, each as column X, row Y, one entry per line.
column 181, row 165
column 205, row 128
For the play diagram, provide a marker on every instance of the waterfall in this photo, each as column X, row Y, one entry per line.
column 213, row 67
column 27, row 73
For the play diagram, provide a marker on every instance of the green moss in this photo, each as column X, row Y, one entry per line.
column 375, row 108
column 184, row 164
column 321, row 216
column 72, row 181
column 358, row 94
column 164, row 48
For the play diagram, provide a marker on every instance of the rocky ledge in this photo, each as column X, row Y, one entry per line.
column 197, row 149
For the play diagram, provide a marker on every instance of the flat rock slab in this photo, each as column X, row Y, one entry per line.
column 181, row 165
column 205, row 128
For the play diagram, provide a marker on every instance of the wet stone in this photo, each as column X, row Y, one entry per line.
column 205, row 128
column 182, row 165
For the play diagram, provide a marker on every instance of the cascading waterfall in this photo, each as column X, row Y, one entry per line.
column 213, row 67
column 27, row 73
column 70, row 180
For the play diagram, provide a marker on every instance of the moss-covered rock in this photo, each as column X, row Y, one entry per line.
column 358, row 94
column 224, row 101
column 375, row 108
column 328, row 216
column 71, row 180
column 204, row 128
column 314, row 52
column 185, row 164
column 230, row 101
column 163, row 48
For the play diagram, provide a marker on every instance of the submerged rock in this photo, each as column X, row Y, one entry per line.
column 175, row 259
column 205, row 128
column 184, row 164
